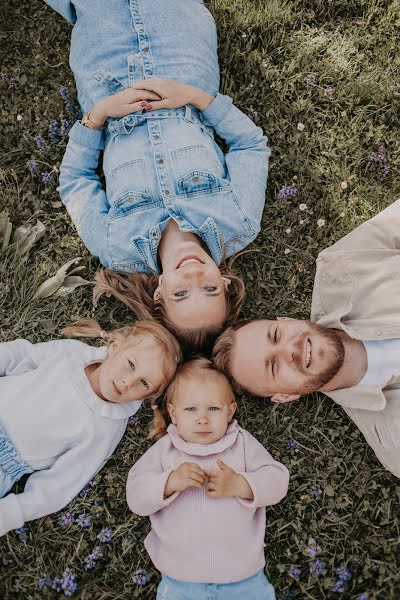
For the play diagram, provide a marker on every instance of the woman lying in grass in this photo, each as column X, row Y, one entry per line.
column 147, row 77
column 64, row 407
column 205, row 485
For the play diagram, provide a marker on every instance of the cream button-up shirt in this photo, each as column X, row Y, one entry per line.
column 357, row 290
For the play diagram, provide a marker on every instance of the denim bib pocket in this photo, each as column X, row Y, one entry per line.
column 129, row 189
column 197, row 171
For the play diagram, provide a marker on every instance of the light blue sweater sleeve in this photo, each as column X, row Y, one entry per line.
column 65, row 8
column 81, row 191
column 247, row 157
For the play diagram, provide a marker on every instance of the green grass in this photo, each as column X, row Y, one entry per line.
column 267, row 49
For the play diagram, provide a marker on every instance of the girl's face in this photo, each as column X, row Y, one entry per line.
column 133, row 370
column 201, row 409
column 192, row 289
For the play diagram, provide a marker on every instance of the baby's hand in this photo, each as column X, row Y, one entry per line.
column 185, row 476
column 226, row 482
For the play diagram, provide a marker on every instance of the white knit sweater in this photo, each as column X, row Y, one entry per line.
column 58, row 425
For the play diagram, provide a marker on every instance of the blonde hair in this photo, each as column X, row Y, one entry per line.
column 197, row 368
column 136, row 290
column 149, row 330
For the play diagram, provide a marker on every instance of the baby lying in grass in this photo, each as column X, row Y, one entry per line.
column 205, row 485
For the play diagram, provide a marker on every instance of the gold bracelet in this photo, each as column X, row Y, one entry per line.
column 89, row 124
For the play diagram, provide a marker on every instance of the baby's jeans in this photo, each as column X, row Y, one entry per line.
column 12, row 467
column 256, row 587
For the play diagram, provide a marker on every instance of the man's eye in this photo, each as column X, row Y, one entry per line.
column 144, row 383
column 180, row 294
column 210, row 288
column 276, row 336
column 132, row 365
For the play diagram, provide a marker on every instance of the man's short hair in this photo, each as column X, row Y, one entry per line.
column 222, row 355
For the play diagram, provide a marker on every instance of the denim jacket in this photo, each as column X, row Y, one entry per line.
column 162, row 164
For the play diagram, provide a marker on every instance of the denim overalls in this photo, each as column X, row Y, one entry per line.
column 162, row 164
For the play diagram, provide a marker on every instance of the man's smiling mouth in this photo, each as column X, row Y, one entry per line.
column 308, row 353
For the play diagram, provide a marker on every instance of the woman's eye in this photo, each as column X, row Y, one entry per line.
column 132, row 365
column 190, row 408
column 180, row 294
column 144, row 383
column 210, row 288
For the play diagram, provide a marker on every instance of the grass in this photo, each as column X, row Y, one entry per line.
column 323, row 137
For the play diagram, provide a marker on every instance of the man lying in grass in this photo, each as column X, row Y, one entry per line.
column 351, row 348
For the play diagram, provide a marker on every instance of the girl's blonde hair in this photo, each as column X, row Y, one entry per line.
column 136, row 290
column 146, row 329
column 197, row 368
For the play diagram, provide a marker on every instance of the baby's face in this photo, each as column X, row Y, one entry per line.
column 202, row 409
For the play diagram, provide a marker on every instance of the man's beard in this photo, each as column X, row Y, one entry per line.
column 336, row 354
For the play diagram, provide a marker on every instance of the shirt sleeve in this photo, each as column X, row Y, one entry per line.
column 268, row 479
column 81, row 191
column 49, row 490
column 247, row 157
column 65, row 8
column 146, row 483
column 20, row 356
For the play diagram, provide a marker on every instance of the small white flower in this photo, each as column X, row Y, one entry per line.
column 342, row 214
column 344, row 185
column 287, row 250
column 19, row 117
column 288, row 230
column 302, row 206
column 321, row 222
column 300, row 126
column 301, row 222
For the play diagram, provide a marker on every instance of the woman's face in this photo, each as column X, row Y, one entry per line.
column 193, row 290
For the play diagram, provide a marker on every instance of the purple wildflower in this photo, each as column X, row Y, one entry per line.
column 343, row 575
column 286, row 192
column 379, row 161
column 54, row 132
column 338, row 586
column 40, row 142
column 32, row 167
column 315, row 490
column 294, row 572
column 328, row 92
column 70, row 108
column 90, row 560
column 310, row 79
column 140, row 577
column 66, row 519
column 68, row 584
column 105, row 535
column 12, row 85
column 64, row 127
column 317, row 567
column 64, row 92
column 89, row 563
column 56, row 584
column 253, row 114
column 133, row 420
column 47, row 177
column 83, row 520
column 313, row 549
column 26, row 137
column 363, row 596
column 289, row 444
column 44, row 582
column 22, row 533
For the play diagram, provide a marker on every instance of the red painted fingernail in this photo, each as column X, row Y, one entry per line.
column 143, row 103
column 149, row 107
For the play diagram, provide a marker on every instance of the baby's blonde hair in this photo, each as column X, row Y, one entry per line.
column 198, row 368
column 142, row 330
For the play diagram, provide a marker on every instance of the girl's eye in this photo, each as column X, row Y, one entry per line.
column 144, row 383
column 131, row 364
column 180, row 294
column 214, row 408
column 210, row 288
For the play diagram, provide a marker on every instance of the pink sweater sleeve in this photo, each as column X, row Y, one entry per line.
column 146, row 482
column 268, row 479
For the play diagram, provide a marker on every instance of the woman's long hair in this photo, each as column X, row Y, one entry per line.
column 136, row 290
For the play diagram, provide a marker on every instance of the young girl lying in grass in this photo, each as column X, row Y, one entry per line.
column 64, row 407
column 205, row 484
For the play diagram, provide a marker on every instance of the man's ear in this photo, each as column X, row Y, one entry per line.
column 282, row 398
column 157, row 291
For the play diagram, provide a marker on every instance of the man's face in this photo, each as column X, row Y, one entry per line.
column 286, row 356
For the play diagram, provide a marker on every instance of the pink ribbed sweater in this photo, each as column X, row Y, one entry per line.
column 196, row 538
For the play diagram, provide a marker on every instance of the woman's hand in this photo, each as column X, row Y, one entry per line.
column 121, row 104
column 174, row 94
column 185, row 476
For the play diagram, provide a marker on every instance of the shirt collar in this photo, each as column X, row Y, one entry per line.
column 204, row 449
column 103, row 408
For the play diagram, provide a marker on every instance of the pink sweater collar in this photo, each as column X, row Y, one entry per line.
column 204, row 449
